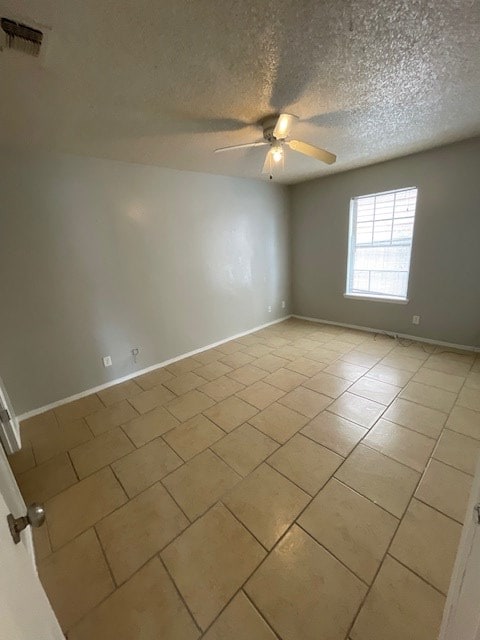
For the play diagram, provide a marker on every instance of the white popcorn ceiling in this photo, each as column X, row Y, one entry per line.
column 165, row 82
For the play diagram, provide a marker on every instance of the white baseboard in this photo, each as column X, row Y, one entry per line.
column 135, row 374
column 406, row 336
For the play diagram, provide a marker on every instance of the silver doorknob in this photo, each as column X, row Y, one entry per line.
column 35, row 517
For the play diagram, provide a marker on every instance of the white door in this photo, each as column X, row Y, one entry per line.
column 25, row 613
column 461, row 618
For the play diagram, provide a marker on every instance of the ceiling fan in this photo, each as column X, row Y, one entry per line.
column 276, row 130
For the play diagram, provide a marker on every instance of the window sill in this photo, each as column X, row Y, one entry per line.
column 359, row 296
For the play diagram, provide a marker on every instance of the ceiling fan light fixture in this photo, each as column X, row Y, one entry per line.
column 277, row 154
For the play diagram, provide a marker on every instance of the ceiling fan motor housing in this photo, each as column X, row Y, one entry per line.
column 268, row 127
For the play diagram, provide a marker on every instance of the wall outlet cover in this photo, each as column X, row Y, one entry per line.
column 107, row 361
column 416, row 320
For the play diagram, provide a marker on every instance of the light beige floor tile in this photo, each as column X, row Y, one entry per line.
column 278, row 422
column 189, row 405
column 334, row 432
column 100, row 451
column 321, row 354
column 414, row 416
column 141, row 607
column 375, row 390
column 426, row 542
column 360, row 358
column 445, row 381
column 401, row 444
column 64, row 437
column 296, row 589
column 306, row 463
column 389, row 374
column 230, row 347
column 45, row 481
column 208, row 356
column 41, row 542
column 216, row 551
column 346, row 370
column 258, row 350
column 399, row 606
column 111, row 417
column 230, row 413
column 441, row 362
column 383, row 480
column 339, row 346
column 285, row 379
column 149, row 426
column 445, row 489
column 118, row 392
column 145, row 466
column 240, row 621
column 357, row 409
column 22, row 460
column 236, row 360
column 472, row 381
column 248, row 374
column 151, row 399
column 271, row 363
column 140, row 529
column 78, row 408
column 153, row 378
column 82, row 505
column 405, row 363
column 429, row 396
column 327, row 384
column 351, row 527
column 38, row 426
column 305, row 401
column 76, row 578
column 305, row 366
column 245, row 448
column 458, row 451
column 267, row 504
column 378, row 347
column 184, row 383
column 260, row 394
column 469, row 398
column 221, row 388
column 464, row 421
column 193, row 436
column 201, row 482
column 290, row 352
column 183, row 366
column 213, row 370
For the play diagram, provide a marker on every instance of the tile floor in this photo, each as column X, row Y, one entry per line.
column 302, row 482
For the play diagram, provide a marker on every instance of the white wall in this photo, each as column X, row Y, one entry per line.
column 98, row 257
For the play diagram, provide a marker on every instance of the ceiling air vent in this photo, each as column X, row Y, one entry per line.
column 20, row 37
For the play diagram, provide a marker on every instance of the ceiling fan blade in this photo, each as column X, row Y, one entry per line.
column 260, row 143
column 313, row 152
column 284, row 126
column 267, row 165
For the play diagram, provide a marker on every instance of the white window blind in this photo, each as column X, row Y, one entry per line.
column 380, row 244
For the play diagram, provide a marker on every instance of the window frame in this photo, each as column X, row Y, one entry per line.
column 351, row 244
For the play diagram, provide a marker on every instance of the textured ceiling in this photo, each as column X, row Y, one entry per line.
column 166, row 82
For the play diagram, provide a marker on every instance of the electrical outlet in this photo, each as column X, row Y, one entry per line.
column 107, row 361
column 416, row 320
column 269, row 308
column 283, row 304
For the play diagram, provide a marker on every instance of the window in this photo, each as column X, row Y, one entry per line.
column 380, row 244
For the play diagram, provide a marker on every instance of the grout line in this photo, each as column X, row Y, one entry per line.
column 163, row 563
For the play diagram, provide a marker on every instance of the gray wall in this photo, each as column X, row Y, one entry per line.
column 444, row 284
column 98, row 257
